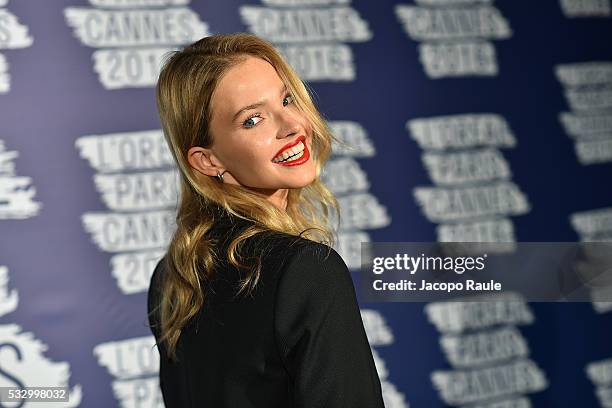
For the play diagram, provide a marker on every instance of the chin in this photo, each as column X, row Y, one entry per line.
column 299, row 182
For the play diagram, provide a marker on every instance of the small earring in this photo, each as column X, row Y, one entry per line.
column 220, row 175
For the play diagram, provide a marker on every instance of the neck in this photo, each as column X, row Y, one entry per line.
column 276, row 197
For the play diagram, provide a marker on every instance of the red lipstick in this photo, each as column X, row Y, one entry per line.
column 300, row 138
column 296, row 162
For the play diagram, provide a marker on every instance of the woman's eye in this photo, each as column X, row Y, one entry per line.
column 287, row 97
column 249, row 122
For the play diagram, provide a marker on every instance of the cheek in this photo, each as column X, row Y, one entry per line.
column 248, row 154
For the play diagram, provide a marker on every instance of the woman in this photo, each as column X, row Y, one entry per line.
column 250, row 306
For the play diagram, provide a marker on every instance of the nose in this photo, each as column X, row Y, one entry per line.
column 290, row 125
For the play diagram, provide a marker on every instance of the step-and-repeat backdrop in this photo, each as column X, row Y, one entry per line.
column 473, row 120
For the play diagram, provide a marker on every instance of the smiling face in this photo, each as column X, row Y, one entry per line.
column 253, row 120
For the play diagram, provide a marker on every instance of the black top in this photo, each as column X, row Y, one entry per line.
column 297, row 342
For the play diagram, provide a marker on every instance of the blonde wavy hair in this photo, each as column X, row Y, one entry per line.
column 184, row 91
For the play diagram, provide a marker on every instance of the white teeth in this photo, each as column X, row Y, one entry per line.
column 290, row 152
column 297, row 156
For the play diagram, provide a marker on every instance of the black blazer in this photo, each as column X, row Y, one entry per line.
column 297, row 342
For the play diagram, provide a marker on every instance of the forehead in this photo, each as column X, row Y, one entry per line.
column 248, row 82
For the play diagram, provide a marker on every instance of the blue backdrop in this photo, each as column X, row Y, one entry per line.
column 472, row 120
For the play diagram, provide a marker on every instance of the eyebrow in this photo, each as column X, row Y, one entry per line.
column 257, row 104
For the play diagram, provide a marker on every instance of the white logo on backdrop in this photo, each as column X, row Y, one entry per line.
column 586, row 8
column 134, row 366
column 309, row 36
column 16, row 192
column 588, row 91
column 490, row 362
column 596, row 226
column 138, row 182
column 380, row 334
column 342, row 174
column 593, row 225
column 22, row 363
column 132, row 37
column 600, row 374
column 13, row 35
column 8, row 299
column 473, row 192
column 454, row 36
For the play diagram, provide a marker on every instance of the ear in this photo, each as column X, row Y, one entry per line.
column 203, row 161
